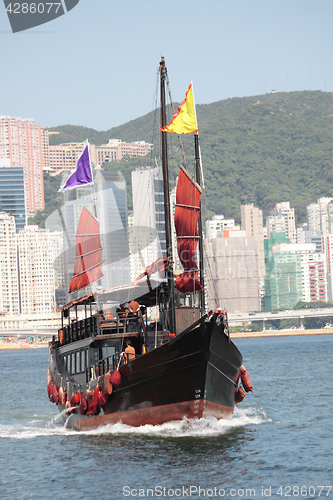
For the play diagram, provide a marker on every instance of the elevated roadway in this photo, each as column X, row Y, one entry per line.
column 271, row 316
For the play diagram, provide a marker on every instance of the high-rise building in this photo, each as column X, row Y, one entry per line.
column 111, row 204
column 106, row 200
column 232, row 272
column 275, row 224
column 9, row 282
column 36, row 270
column 218, row 224
column 26, row 269
column 327, row 246
column 283, row 280
column 313, row 216
column 320, row 216
column 25, row 144
column 314, row 284
column 57, row 247
column 12, row 196
column 313, row 269
column 252, row 223
column 283, row 220
column 73, row 200
column 306, row 236
column 147, row 237
column 177, row 266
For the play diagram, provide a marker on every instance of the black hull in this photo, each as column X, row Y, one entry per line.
column 192, row 376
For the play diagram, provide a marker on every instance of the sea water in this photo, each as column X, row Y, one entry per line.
column 277, row 445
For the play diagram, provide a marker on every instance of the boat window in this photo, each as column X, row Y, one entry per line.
column 73, row 363
column 108, row 351
column 68, row 363
column 83, row 360
column 78, row 362
column 87, row 358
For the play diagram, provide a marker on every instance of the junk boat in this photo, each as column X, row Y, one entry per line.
column 108, row 366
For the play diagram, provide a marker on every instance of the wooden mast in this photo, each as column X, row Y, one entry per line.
column 201, row 264
column 167, row 212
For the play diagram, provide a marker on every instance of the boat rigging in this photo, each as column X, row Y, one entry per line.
column 182, row 365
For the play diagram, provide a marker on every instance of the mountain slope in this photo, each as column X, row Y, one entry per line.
column 261, row 149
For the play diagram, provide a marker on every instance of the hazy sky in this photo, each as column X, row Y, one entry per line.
column 96, row 65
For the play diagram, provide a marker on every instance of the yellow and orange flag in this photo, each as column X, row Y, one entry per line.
column 185, row 120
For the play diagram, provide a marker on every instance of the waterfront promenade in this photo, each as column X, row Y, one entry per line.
column 281, row 333
column 6, row 346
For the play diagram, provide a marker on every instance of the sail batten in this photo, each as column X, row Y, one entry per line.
column 188, row 196
column 87, row 270
column 88, row 253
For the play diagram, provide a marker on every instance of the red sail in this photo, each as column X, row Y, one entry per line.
column 187, row 211
column 88, row 259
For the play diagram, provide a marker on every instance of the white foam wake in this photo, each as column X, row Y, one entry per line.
column 203, row 427
column 42, row 425
column 200, row 428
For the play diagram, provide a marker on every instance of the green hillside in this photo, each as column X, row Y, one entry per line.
column 261, row 149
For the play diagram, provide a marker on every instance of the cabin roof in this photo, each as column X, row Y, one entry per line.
column 146, row 292
column 85, row 299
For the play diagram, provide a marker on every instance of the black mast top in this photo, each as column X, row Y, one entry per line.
column 201, row 263
column 167, row 212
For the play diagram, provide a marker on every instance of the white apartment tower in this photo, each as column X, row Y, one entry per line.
column 283, row 221
column 313, row 216
column 147, row 235
column 218, row 224
column 36, row 270
column 320, row 216
column 9, row 296
column 56, row 240
column 177, row 266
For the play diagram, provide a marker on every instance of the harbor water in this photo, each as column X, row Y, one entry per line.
column 277, row 445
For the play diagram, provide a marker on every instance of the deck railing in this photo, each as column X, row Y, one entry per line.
column 79, row 330
column 108, row 364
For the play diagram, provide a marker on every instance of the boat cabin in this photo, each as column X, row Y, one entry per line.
column 95, row 329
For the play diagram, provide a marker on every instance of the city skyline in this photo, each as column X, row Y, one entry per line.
column 294, row 270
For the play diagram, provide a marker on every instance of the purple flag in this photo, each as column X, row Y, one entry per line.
column 82, row 174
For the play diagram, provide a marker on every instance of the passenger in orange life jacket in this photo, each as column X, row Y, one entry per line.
column 130, row 351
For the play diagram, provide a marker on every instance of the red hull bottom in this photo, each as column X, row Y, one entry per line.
column 157, row 415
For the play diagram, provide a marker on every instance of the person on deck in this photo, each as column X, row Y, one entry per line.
column 129, row 351
column 123, row 311
column 101, row 316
